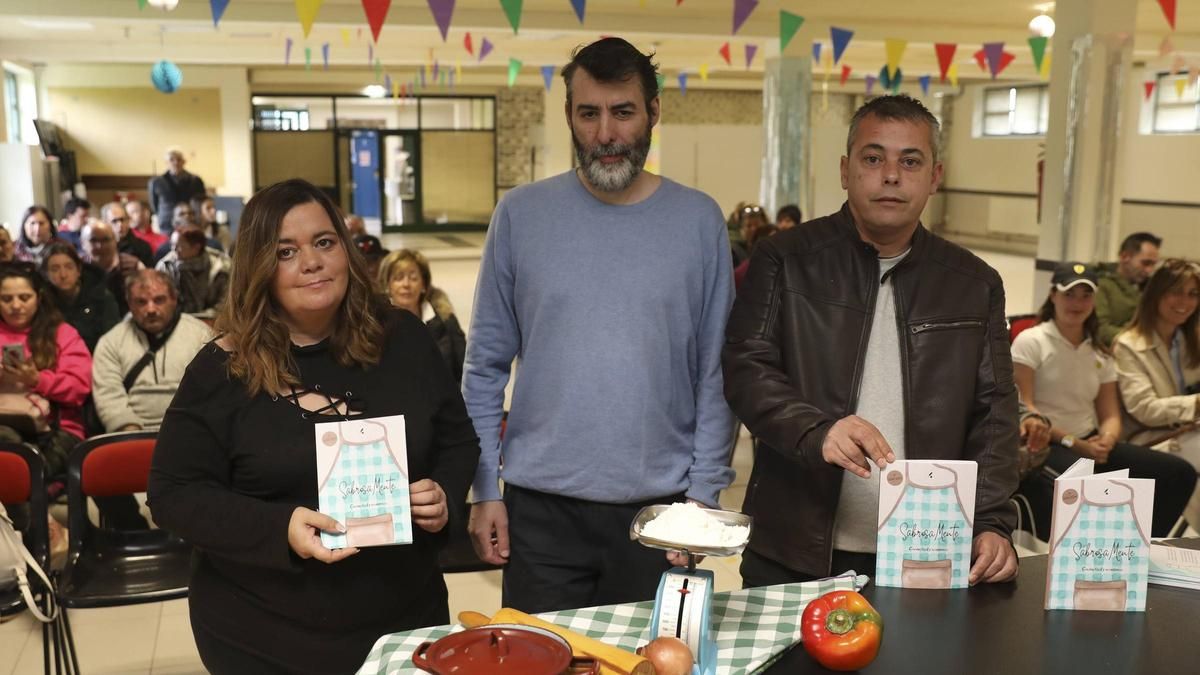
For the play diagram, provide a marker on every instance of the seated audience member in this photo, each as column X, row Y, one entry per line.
column 100, row 249
column 373, row 252
column 788, row 217
column 355, row 225
column 141, row 225
column 405, row 277
column 81, row 293
column 185, row 216
column 1120, row 285
column 200, row 273
column 750, row 219
column 1158, row 367
column 219, row 234
column 138, row 364
column 1062, row 372
column 739, row 272
column 37, row 232
column 75, row 216
column 8, row 249
column 115, row 215
column 55, row 372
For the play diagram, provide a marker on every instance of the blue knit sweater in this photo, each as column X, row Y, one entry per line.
column 616, row 317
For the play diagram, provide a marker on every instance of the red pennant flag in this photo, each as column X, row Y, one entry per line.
column 1149, row 86
column 725, row 54
column 845, row 74
column 467, row 43
column 981, row 59
column 945, row 56
column 376, row 11
column 1005, row 59
column 1168, row 9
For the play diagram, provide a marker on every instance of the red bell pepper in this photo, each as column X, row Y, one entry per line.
column 841, row 630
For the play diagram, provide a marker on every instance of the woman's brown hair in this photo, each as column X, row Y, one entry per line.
column 1172, row 274
column 259, row 341
column 43, row 328
column 1091, row 326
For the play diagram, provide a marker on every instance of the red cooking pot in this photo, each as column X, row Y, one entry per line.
column 502, row 649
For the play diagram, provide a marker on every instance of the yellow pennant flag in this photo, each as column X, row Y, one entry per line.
column 346, row 36
column 1180, row 85
column 307, row 10
column 704, row 73
column 952, row 73
column 1045, row 72
column 895, row 51
column 395, row 89
column 458, row 71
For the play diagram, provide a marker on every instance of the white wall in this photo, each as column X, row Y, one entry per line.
column 722, row 160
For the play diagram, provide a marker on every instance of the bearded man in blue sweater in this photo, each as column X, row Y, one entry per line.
column 610, row 286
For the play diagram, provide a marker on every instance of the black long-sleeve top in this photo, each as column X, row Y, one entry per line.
column 230, row 468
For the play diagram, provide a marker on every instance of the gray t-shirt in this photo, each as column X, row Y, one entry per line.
column 880, row 402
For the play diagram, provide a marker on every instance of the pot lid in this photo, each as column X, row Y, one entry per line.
column 500, row 650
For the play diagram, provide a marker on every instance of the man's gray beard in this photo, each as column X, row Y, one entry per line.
column 614, row 177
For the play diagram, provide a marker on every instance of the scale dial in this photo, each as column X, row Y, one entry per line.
column 682, row 615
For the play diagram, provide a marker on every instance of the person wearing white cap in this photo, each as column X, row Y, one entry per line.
column 1062, row 371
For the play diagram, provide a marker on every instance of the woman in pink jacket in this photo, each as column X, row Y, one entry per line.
column 54, row 369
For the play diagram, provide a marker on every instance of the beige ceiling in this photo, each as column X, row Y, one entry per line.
column 685, row 36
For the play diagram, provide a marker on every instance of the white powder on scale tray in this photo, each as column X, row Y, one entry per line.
column 686, row 523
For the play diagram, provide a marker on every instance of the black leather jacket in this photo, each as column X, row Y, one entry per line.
column 793, row 364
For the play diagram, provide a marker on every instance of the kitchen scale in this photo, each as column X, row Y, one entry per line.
column 683, row 603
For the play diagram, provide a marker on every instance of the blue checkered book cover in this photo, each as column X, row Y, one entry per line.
column 926, row 518
column 1099, row 540
column 362, row 481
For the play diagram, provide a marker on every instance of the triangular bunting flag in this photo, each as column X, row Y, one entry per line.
column 683, row 84
column 1045, row 71
column 1037, row 45
column 514, row 67
column 952, row 73
column 741, row 11
column 346, row 37
column 395, row 90
column 924, row 80
column 1005, row 59
column 788, row 25
column 467, row 44
column 308, row 58
column 376, row 11
column 890, row 80
column 580, row 7
column 993, row 52
column 548, row 76
column 442, row 78
column 458, row 71
column 1193, row 75
column 704, row 72
column 218, row 10
column 378, row 69
column 725, row 54
column 1166, row 46
column 895, row 51
column 945, row 56
column 816, row 51
column 306, row 11
column 845, row 74
column 435, row 70
column 841, row 38
column 512, row 9
column 751, row 50
column 1177, row 64
column 142, row 4
column 443, row 12
column 325, row 56
column 870, row 82
column 1180, row 86
column 981, row 59
column 485, row 49
column 1149, row 87
column 387, row 82
column 1168, row 9
column 662, row 82
column 287, row 51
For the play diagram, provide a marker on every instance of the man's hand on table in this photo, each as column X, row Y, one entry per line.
column 993, row 559
column 489, row 531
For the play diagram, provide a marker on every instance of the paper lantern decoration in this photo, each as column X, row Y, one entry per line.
column 166, row 77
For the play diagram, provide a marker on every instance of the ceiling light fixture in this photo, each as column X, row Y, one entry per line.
column 1042, row 26
column 374, row 91
column 164, row 5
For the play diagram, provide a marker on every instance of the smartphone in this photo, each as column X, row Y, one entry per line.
column 14, row 354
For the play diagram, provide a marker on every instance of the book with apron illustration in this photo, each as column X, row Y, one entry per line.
column 362, row 481
column 926, row 517
column 1099, row 540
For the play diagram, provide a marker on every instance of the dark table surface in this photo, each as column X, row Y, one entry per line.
column 1002, row 628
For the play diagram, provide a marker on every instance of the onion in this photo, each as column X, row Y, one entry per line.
column 669, row 656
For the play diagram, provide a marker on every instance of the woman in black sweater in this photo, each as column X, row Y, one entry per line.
column 304, row 340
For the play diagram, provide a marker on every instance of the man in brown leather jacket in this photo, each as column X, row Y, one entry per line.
column 860, row 338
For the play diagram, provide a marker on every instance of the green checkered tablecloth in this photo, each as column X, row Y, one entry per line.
column 753, row 626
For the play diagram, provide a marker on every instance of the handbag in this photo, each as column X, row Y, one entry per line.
column 28, row 413
column 15, row 560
